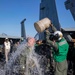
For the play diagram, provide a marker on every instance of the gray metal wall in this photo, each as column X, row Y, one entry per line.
column 48, row 9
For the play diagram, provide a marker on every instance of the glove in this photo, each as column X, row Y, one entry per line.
column 47, row 30
column 51, row 25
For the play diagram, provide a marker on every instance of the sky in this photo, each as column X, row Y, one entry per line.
column 12, row 12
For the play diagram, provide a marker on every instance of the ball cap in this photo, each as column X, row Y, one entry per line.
column 6, row 38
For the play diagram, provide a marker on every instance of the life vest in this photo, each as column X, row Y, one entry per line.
column 7, row 45
column 61, row 54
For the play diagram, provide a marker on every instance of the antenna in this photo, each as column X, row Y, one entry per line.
column 23, row 33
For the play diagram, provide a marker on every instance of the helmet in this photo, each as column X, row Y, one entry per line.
column 58, row 35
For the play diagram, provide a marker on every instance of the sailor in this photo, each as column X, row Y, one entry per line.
column 73, row 55
column 60, row 50
column 23, row 57
column 6, row 48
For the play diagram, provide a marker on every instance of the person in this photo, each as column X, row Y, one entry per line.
column 73, row 55
column 6, row 48
column 60, row 50
column 23, row 57
column 38, row 46
column 15, row 46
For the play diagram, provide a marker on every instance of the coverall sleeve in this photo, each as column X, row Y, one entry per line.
column 53, row 28
column 51, row 43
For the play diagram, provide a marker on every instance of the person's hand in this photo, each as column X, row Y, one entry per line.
column 51, row 25
column 47, row 30
column 40, row 42
column 73, row 40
